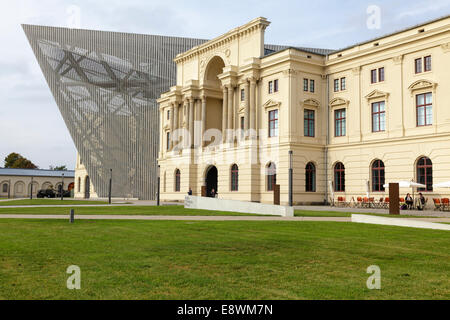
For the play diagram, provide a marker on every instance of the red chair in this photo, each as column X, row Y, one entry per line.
column 437, row 204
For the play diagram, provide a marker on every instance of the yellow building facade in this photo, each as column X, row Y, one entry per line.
column 354, row 119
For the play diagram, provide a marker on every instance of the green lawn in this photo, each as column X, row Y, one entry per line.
column 220, row 260
column 123, row 210
column 49, row 202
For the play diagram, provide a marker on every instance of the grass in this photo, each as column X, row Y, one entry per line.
column 122, row 210
column 220, row 260
column 49, row 202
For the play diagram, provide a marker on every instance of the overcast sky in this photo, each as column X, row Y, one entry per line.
column 30, row 122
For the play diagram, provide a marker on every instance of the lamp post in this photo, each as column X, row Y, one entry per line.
column 110, row 186
column 62, row 187
column 159, row 186
column 291, row 171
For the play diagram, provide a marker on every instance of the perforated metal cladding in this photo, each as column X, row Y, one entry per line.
column 106, row 85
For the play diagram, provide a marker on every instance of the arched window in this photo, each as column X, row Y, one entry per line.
column 378, row 176
column 425, row 173
column 79, row 184
column 339, row 177
column 310, row 178
column 177, row 180
column 271, row 172
column 5, row 188
column 234, row 178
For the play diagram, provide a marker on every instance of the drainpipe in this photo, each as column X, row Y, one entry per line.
column 327, row 138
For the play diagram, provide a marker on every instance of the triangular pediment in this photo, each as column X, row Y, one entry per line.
column 375, row 94
column 422, row 84
column 311, row 102
column 339, row 102
column 271, row 103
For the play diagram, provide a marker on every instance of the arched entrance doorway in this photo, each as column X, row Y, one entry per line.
column 87, row 188
column 211, row 180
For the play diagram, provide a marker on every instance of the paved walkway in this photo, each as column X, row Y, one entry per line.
column 193, row 218
column 172, row 218
column 427, row 213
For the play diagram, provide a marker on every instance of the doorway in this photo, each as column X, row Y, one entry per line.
column 211, row 180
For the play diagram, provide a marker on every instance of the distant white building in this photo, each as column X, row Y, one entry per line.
column 16, row 183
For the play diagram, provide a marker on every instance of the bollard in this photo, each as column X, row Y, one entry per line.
column 72, row 215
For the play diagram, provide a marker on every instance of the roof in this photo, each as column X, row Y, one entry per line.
column 36, row 173
column 272, row 48
column 392, row 33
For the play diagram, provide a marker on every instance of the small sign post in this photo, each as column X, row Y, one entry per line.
column 72, row 215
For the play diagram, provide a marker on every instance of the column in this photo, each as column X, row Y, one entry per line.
column 247, row 106
column 185, row 120
column 224, row 112
column 172, row 107
column 161, row 135
column 191, row 122
column 230, row 113
column 253, row 103
column 203, row 115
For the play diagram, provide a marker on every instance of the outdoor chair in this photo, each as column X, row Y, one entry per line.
column 446, row 204
column 359, row 202
column 386, row 203
column 437, row 204
column 341, row 202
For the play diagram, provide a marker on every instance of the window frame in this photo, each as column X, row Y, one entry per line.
column 310, row 177
column 305, row 85
column 343, row 83
column 380, row 114
column 424, row 106
column 339, row 175
column 312, row 86
column 381, row 74
column 340, row 122
column 177, row 186
column 275, row 85
column 336, row 85
column 271, row 178
column 242, row 95
column 4, row 188
column 309, row 123
column 167, row 140
column 378, row 176
column 270, row 87
column 418, row 68
column 427, row 67
column 373, row 76
column 273, row 132
column 234, row 178
column 427, row 176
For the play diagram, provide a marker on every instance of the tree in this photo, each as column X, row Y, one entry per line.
column 17, row 161
column 58, row 168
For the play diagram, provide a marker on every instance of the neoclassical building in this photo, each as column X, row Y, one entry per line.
column 354, row 119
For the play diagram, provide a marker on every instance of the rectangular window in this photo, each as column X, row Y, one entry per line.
column 5, row 188
column 343, row 84
column 242, row 94
column 242, row 127
column 339, row 123
column 270, row 86
column 311, row 85
column 168, row 114
column 273, row 123
column 424, row 103
column 427, row 62
column 418, row 65
column 373, row 76
column 336, row 85
column 305, row 85
column 168, row 140
column 309, row 123
column 378, row 117
column 381, row 74
column 275, row 85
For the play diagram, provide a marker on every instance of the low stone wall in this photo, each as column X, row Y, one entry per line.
column 400, row 222
column 202, row 203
